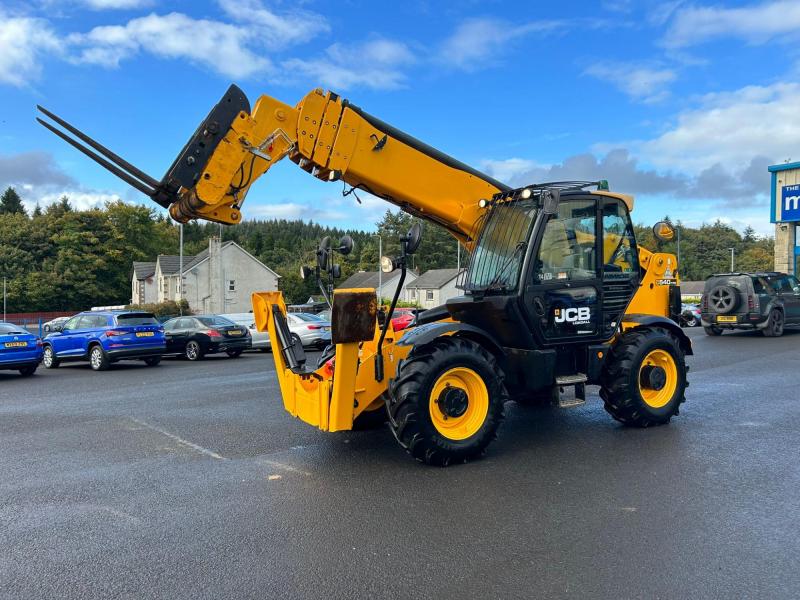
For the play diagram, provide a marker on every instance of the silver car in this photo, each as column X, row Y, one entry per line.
column 311, row 329
column 260, row 339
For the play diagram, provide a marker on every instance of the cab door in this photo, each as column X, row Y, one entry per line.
column 564, row 290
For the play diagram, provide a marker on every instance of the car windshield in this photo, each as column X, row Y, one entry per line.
column 137, row 319
column 307, row 317
column 497, row 258
column 10, row 328
column 215, row 321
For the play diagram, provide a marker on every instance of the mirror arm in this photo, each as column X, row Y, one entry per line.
column 388, row 321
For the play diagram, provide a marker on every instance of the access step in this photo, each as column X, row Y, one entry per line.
column 578, row 381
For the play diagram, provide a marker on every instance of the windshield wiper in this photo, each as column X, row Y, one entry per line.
column 495, row 283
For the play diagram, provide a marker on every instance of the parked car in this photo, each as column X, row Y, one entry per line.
column 55, row 324
column 402, row 318
column 766, row 302
column 259, row 339
column 311, row 330
column 105, row 337
column 196, row 336
column 20, row 350
column 690, row 315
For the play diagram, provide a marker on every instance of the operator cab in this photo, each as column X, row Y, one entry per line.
column 558, row 257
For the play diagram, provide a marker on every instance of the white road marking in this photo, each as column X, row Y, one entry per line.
column 179, row 439
column 282, row 466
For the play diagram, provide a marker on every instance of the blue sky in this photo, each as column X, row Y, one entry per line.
column 683, row 104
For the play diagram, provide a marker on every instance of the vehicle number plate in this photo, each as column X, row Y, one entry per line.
column 721, row 319
column 235, row 332
column 144, row 334
column 16, row 344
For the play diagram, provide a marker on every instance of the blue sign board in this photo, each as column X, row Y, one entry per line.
column 790, row 203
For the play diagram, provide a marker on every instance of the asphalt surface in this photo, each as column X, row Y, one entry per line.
column 189, row 481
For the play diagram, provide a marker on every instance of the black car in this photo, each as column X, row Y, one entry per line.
column 196, row 336
column 766, row 302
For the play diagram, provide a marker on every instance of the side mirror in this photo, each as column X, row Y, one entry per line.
column 550, row 200
column 664, row 231
column 56, row 328
column 413, row 238
column 345, row 245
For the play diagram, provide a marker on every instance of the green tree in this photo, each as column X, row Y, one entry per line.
column 11, row 203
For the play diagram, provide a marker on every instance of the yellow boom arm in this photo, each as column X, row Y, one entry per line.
column 333, row 139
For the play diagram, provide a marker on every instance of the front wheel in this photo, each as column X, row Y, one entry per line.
column 446, row 402
column 193, row 350
column 49, row 359
column 774, row 326
column 644, row 380
column 692, row 322
column 712, row 330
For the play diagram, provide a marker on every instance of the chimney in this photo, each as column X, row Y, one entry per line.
column 216, row 288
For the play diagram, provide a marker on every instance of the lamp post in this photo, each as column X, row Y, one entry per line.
column 380, row 272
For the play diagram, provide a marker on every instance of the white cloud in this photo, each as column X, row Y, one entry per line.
column 640, row 82
column 477, row 43
column 730, row 129
column 273, row 29
column 23, row 41
column 755, row 24
column 377, row 63
column 509, row 169
column 116, row 4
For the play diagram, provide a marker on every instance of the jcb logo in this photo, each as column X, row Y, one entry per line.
column 573, row 315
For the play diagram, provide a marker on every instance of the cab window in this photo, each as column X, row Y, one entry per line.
column 620, row 257
column 568, row 248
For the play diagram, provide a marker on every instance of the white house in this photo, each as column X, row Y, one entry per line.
column 433, row 288
column 143, row 283
column 218, row 280
column 385, row 284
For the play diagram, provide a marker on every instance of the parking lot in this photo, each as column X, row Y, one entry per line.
column 189, row 480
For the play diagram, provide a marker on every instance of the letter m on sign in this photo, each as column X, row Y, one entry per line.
column 790, row 203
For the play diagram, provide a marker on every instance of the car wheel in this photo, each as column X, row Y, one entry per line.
column 296, row 340
column 153, row 361
column 193, row 350
column 691, row 322
column 234, row 353
column 774, row 326
column 98, row 359
column 49, row 359
column 28, row 371
column 712, row 330
column 47, row 328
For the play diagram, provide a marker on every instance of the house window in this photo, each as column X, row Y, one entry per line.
column 231, row 285
column 429, row 295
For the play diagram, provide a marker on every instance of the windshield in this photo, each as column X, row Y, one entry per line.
column 140, row 319
column 215, row 321
column 497, row 258
column 307, row 317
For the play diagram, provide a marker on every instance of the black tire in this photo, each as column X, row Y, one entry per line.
column 371, row 419
column 691, row 322
column 28, row 371
column 410, row 401
column 193, row 350
column 234, row 353
column 153, row 361
column 98, row 359
column 622, row 385
column 775, row 324
column 49, row 359
column 723, row 299
column 712, row 330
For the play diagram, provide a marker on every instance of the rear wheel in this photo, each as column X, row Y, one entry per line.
column 644, row 379
column 153, row 361
column 98, row 359
column 49, row 359
column 28, row 371
column 712, row 330
column 193, row 350
column 234, row 353
column 446, row 402
column 775, row 323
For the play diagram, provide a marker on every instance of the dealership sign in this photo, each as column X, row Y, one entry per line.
column 790, row 203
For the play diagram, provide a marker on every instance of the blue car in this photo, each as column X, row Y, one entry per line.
column 104, row 337
column 19, row 350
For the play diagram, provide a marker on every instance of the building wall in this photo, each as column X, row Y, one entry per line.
column 439, row 296
column 144, row 291
column 206, row 283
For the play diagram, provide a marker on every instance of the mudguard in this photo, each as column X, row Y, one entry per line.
column 634, row 321
column 424, row 334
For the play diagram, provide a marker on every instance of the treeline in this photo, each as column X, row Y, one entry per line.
column 59, row 258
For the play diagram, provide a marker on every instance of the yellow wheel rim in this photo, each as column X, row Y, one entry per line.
column 459, row 403
column 658, row 395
